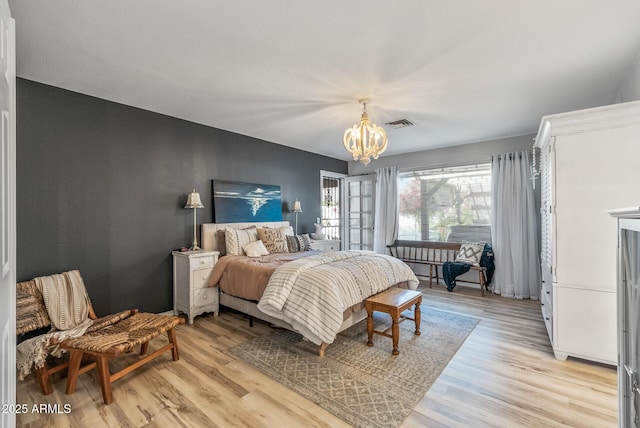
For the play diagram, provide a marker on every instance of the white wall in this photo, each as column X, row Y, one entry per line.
column 447, row 156
column 451, row 156
column 630, row 89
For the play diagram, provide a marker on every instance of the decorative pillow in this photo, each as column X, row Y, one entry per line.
column 236, row 238
column 222, row 244
column 255, row 249
column 470, row 252
column 274, row 240
column 297, row 243
column 306, row 239
column 288, row 230
column 293, row 244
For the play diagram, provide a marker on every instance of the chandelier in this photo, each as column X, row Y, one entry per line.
column 365, row 141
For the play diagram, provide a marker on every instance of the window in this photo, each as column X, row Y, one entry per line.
column 450, row 204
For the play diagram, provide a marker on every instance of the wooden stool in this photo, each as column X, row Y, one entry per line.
column 393, row 302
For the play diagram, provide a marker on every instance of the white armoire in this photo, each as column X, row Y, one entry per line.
column 589, row 164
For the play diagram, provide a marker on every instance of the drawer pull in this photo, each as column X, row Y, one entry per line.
column 547, row 318
column 541, row 304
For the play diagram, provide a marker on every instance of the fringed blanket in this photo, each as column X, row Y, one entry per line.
column 312, row 293
column 68, row 306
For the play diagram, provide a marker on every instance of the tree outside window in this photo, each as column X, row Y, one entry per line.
column 447, row 204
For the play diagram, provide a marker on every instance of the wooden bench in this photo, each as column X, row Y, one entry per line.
column 393, row 301
column 434, row 254
column 106, row 338
column 117, row 339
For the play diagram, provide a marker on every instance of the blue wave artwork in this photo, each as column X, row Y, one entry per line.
column 235, row 202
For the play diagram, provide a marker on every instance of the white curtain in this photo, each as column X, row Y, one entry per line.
column 386, row 209
column 513, row 228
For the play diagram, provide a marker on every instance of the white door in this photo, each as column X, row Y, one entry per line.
column 7, row 215
column 360, row 206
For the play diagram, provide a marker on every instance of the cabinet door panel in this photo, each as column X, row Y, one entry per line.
column 590, row 180
column 586, row 323
column 629, row 320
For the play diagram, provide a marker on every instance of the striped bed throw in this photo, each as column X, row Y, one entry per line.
column 312, row 293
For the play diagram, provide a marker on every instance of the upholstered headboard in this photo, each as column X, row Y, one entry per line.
column 209, row 231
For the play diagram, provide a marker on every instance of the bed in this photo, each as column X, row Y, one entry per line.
column 316, row 294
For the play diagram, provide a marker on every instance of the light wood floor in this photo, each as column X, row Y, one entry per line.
column 503, row 375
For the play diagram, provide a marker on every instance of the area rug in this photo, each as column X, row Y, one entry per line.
column 364, row 386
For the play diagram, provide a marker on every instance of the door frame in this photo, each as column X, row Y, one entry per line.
column 339, row 176
column 7, row 215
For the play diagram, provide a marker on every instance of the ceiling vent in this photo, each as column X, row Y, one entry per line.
column 401, row 123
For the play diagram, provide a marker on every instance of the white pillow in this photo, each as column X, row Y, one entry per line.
column 255, row 249
column 470, row 252
column 235, row 239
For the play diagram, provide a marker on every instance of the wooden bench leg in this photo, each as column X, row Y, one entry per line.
column 484, row 278
column 323, row 349
column 430, row 275
column 395, row 334
column 144, row 348
column 42, row 376
column 171, row 334
column 105, row 378
column 369, row 327
column 482, row 283
column 417, row 314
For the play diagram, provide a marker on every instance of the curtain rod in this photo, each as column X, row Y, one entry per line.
column 447, row 165
column 502, row 155
column 476, row 162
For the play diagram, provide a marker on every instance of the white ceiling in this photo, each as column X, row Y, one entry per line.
column 291, row 72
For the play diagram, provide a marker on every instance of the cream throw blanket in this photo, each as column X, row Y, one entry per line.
column 68, row 306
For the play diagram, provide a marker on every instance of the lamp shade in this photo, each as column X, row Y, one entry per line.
column 193, row 201
column 297, row 208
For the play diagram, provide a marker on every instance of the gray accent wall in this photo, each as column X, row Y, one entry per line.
column 101, row 188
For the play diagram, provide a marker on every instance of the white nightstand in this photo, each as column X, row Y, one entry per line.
column 191, row 293
column 325, row 244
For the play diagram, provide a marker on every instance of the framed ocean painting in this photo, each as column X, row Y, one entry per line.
column 235, row 202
